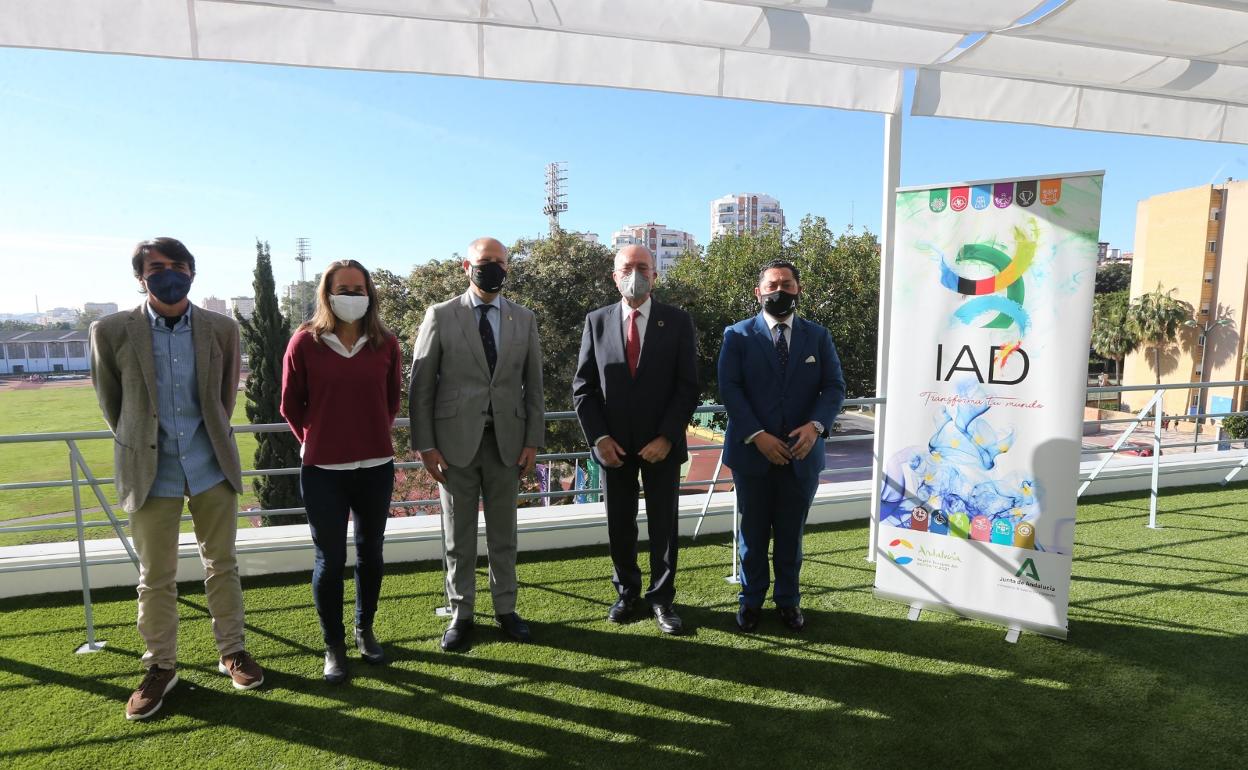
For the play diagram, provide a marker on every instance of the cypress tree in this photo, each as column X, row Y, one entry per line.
column 265, row 336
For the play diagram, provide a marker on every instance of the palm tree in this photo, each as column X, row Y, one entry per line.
column 1112, row 336
column 1155, row 318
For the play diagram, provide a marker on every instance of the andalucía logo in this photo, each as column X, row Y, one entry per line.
column 901, row 560
column 1028, row 569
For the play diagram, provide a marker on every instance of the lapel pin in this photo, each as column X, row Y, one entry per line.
column 660, row 322
column 508, row 318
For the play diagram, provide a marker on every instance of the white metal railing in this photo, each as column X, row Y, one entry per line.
column 82, row 475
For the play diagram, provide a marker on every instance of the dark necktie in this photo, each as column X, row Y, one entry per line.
column 487, row 337
column 782, row 345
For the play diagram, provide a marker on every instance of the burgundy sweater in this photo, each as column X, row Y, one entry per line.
column 341, row 409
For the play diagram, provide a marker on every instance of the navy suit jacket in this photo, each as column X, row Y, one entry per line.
column 659, row 401
column 759, row 396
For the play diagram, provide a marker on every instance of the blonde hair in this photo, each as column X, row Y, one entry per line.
column 323, row 319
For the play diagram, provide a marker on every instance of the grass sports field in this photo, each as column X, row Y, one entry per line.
column 63, row 407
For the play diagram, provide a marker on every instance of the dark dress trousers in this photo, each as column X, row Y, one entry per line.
column 658, row 401
column 760, row 394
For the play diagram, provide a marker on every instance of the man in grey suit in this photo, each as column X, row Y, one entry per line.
column 477, row 420
column 166, row 376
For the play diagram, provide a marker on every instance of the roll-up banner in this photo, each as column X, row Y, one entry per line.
column 987, row 370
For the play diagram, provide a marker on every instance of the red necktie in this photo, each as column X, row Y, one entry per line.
column 633, row 344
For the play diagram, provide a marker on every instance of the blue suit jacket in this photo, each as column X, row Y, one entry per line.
column 759, row 396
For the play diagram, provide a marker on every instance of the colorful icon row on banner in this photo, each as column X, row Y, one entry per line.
column 1001, row 194
column 1000, row 530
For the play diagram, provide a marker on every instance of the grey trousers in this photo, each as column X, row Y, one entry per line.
column 496, row 482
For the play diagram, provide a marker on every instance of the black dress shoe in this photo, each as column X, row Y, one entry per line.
column 621, row 610
column 457, row 635
column 747, row 618
column 336, row 663
column 667, row 619
column 793, row 618
column 369, row 647
column 514, row 626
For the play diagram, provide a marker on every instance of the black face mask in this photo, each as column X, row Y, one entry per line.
column 488, row 276
column 779, row 303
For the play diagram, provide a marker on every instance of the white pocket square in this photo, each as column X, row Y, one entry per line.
column 810, row 359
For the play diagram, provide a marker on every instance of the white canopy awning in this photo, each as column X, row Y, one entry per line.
column 1162, row 67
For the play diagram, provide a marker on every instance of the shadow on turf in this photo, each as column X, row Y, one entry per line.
column 616, row 707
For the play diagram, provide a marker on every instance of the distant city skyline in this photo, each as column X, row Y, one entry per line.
column 396, row 169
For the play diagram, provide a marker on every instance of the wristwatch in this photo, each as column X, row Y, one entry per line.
column 818, row 427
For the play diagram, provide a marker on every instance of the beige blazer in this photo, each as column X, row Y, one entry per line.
column 123, row 372
column 451, row 387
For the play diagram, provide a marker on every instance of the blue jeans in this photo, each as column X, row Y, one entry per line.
column 330, row 497
column 774, row 503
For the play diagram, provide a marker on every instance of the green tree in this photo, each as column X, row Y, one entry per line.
column 86, row 318
column 1113, row 278
column 1112, row 336
column 561, row 278
column 265, row 336
column 1155, row 318
column 717, row 289
column 840, row 290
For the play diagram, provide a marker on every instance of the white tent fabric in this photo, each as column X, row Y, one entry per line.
column 1162, row 67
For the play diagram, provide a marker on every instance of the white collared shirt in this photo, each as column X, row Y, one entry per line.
column 773, row 322
column 335, row 344
column 643, row 315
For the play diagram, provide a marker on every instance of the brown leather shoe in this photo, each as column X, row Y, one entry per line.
column 242, row 669
column 146, row 700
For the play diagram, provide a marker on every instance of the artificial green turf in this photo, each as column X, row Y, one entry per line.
column 1153, row 675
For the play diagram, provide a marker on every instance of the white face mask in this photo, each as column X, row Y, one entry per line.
column 634, row 285
column 349, row 308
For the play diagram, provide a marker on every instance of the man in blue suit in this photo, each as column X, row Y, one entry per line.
column 781, row 381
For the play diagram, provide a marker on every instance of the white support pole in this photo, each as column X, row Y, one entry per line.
column 92, row 644
column 735, row 577
column 1152, row 405
column 706, row 504
column 1152, row 498
column 888, row 218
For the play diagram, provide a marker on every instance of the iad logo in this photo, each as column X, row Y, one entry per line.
column 1028, row 569
column 900, row 561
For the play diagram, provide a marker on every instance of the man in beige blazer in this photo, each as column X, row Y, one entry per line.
column 166, row 376
column 477, row 419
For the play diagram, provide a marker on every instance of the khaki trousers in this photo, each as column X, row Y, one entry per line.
column 214, row 514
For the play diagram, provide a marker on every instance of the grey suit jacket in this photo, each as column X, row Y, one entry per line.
column 451, row 387
column 123, row 372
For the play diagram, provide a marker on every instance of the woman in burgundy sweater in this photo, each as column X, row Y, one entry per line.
column 341, row 385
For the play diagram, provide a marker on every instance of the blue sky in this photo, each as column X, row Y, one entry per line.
column 102, row 151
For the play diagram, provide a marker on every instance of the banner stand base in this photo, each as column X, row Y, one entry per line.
column 1012, row 634
column 443, row 612
column 915, row 611
column 1013, row 625
column 89, row 647
column 733, row 579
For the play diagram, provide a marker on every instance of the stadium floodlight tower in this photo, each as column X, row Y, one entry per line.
column 556, row 198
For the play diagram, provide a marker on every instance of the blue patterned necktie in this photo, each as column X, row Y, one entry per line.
column 782, row 345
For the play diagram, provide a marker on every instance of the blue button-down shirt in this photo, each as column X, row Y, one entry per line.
column 185, row 460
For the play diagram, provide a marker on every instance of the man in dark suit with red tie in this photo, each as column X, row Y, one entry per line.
column 635, row 390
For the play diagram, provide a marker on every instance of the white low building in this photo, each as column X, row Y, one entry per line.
column 742, row 213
